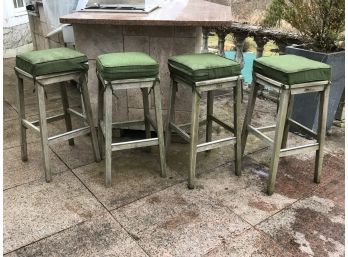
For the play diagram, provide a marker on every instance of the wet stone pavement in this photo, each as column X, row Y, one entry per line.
column 143, row 214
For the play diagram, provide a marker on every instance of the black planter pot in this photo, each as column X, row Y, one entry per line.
column 306, row 105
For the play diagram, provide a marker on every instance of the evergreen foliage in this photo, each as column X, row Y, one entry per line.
column 319, row 22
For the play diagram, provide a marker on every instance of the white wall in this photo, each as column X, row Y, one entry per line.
column 12, row 16
column 16, row 31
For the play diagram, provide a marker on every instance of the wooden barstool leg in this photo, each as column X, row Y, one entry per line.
column 237, row 96
column 100, row 117
column 89, row 117
column 146, row 105
column 287, row 123
column 108, row 133
column 21, row 116
column 249, row 113
column 194, row 138
column 67, row 116
column 279, row 130
column 159, row 121
column 171, row 113
column 322, row 119
column 43, row 130
column 210, row 111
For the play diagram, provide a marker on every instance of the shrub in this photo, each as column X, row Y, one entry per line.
column 319, row 22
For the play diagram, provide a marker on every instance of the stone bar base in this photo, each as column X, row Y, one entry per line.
column 160, row 42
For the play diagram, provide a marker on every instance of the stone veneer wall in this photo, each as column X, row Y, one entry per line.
column 16, row 39
column 38, row 27
column 160, row 42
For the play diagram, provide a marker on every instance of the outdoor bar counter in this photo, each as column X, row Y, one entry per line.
column 172, row 29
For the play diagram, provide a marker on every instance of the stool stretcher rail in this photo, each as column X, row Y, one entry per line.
column 68, row 135
column 216, row 144
column 134, row 144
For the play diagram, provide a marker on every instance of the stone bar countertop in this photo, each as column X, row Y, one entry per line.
column 171, row 13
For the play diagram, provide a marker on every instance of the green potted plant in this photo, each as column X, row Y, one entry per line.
column 321, row 26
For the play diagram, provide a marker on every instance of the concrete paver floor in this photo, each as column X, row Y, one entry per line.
column 143, row 214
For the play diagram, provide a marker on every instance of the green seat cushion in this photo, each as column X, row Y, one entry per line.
column 126, row 65
column 292, row 69
column 199, row 67
column 54, row 60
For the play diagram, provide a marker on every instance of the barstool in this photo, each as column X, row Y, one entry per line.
column 121, row 71
column 290, row 75
column 205, row 73
column 47, row 68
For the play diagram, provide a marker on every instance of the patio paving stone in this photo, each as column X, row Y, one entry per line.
column 100, row 236
column 225, row 215
column 17, row 172
column 77, row 155
column 9, row 112
column 295, row 173
column 244, row 195
column 334, row 190
column 313, row 226
column 252, row 243
column 135, row 174
column 179, row 222
column 39, row 209
column 12, row 134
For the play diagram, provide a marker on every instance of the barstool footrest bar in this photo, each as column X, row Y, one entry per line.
column 267, row 128
column 68, row 135
column 222, row 124
column 299, row 149
column 124, row 124
column 260, row 135
column 180, row 131
column 30, row 125
column 308, row 130
column 134, row 144
column 49, row 119
column 216, row 144
column 76, row 113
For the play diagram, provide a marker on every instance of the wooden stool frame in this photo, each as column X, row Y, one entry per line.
column 284, row 121
column 198, row 88
column 40, row 126
column 106, row 89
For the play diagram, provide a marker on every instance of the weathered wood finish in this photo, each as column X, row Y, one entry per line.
column 210, row 113
column 49, row 119
column 281, row 118
column 106, row 89
column 323, row 109
column 68, row 135
column 40, row 126
column 160, row 132
column 21, row 114
column 30, row 125
column 197, row 89
column 196, row 97
column 88, row 112
column 284, row 120
column 249, row 112
column 108, row 133
column 171, row 113
column 237, row 99
column 146, row 112
column 65, row 103
column 43, row 131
